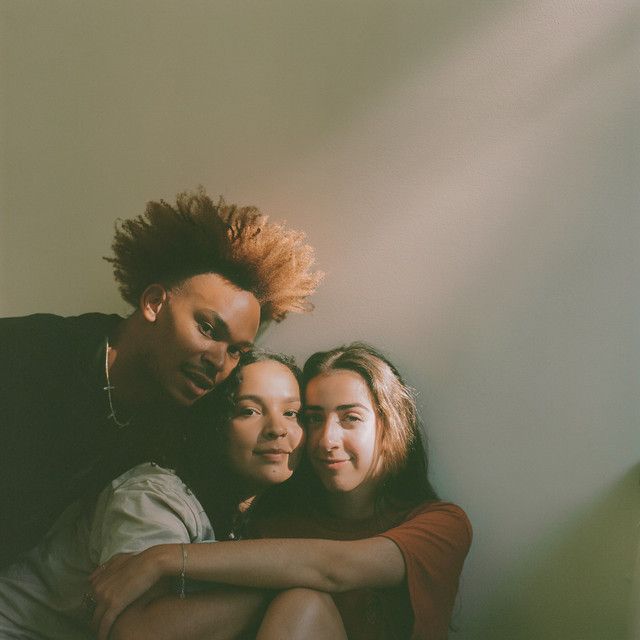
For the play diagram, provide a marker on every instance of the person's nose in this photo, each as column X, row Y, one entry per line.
column 215, row 355
column 275, row 426
column 328, row 436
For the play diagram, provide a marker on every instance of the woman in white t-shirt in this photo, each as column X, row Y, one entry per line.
column 252, row 442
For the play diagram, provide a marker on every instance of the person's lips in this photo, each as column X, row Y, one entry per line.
column 273, row 454
column 199, row 379
column 331, row 463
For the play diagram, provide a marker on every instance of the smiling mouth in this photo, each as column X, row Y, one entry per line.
column 273, row 456
column 332, row 463
column 271, row 452
column 199, row 379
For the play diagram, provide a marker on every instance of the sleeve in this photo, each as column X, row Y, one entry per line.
column 139, row 514
column 434, row 543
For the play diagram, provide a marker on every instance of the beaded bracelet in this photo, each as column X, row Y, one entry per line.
column 183, row 572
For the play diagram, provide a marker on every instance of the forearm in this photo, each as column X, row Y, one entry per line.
column 220, row 614
column 325, row 565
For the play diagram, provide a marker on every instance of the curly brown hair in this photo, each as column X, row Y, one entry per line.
column 169, row 244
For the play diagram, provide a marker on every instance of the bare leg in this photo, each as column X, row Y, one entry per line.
column 219, row 614
column 302, row 614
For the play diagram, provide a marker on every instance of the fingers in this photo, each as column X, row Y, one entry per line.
column 107, row 609
column 96, row 572
column 122, row 581
column 107, row 622
column 110, row 566
column 105, row 606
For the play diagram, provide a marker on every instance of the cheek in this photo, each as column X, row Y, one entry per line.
column 367, row 450
column 297, row 437
column 191, row 341
column 185, row 338
column 241, row 440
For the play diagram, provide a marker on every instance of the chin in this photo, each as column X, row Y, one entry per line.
column 333, row 487
column 183, row 397
column 277, row 480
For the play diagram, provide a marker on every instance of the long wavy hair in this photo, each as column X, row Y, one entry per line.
column 404, row 461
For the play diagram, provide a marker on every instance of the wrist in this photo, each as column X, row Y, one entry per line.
column 166, row 559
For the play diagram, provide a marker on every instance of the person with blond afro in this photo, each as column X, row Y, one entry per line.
column 85, row 398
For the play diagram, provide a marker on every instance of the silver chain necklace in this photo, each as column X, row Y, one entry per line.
column 109, row 387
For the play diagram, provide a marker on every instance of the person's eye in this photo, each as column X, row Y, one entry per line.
column 351, row 417
column 246, row 412
column 207, row 329
column 292, row 413
column 235, row 351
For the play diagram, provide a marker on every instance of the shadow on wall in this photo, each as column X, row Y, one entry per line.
column 580, row 585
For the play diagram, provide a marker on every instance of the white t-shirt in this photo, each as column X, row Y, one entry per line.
column 41, row 595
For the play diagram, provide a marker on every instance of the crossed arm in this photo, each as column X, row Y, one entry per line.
column 265, row 564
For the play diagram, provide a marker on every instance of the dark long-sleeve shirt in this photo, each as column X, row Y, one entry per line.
column 56, row 441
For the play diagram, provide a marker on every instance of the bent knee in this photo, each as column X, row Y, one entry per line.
column 312, row 609
column 302, row 614
column 304, row 597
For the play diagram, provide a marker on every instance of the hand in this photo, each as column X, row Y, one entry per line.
column 118, row 583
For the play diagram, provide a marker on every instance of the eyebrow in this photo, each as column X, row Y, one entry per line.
column 250, row 396
column 341, row 407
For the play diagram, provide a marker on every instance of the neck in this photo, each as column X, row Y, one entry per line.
column 240, row 518
column 239, row 495
column 245, row 493
column 358, row 504
column 132, row 388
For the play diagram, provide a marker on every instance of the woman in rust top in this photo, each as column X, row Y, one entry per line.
column 367, row 528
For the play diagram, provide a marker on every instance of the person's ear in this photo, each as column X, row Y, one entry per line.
column 153, row 298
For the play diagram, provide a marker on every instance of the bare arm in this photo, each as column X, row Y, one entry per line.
column 324, row 565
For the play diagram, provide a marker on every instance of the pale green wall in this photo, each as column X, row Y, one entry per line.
column 467, row 172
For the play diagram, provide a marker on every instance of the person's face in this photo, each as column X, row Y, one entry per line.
column 198, row 331
column 264, row 434
column 341, row 423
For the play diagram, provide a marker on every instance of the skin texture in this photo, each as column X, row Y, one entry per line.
column 342, row 428
column 322, row 565
column 231, row 614
column 222, row 614
column 182, row 341
column 302, row 613
column 346, row 427
column 264, row 436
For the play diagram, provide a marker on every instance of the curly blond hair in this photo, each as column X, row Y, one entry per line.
column 169, row 244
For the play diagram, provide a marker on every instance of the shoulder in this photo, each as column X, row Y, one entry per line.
column 30, row 327
column 54, row 323
column 44, row 336
column 435, row 520
column 148, row 491
column 439, row 509
column 149, row 477
column 144, row 506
